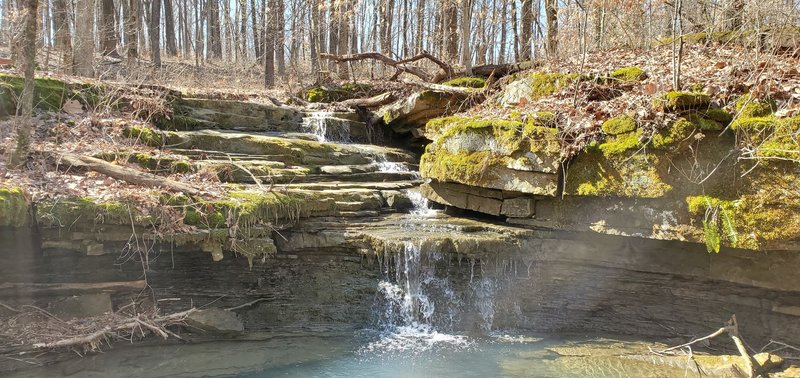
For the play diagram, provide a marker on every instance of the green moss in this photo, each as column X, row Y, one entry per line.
column 48, row 94
column 144, row 135
column 675, row 101
column 337, row 93
column 13, row 207
column 749, row 107
column 717, row 115
column 466, row 82
column 680, row 131
column 437, row 125
column 591, row 173
column 85, row 212
column 629, row 74
column 545, row 84
column 755, row 123
column 534, row 135
column 465, row 168
column 619, row 125
column 619, row 144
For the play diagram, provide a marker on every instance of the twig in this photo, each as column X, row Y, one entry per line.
column 9, row 307
column 248, row 304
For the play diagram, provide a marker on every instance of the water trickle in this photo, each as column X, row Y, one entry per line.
column 421, row 205
column 327, row 128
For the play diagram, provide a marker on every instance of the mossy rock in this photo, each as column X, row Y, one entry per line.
column 48, row 94
column 677, row 101
column 591, row 173
column 745, row 222
column 545, row 84
column 629, row 74
column 619, row 125
column 749, row 107
column 467, row 82
column 87, row 213
column 718, row 115
column 154, row 164
column 337, row 93
column 13, row 207
column 182, row 123
column 770, row 138
column 144, row 135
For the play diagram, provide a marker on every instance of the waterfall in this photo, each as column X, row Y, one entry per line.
column 327, row 128
column 408, row 317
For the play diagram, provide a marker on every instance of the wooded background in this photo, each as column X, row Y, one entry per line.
column 284, row 38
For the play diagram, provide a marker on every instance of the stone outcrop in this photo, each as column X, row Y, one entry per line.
column 409, row 115
column 697, row 176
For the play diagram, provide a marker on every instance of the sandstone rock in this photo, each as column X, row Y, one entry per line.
column 215, row 320
column 415, row 110
column 515, row 91
column 520, row 207
column 482, row 200
column 397, row 200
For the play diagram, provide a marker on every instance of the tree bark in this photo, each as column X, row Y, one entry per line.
column 214, row 29
column 269, row 45
column 551, row 14
column 155, row 33
column 131, row 27
column 466, row 28
column 450, row 15
column 420, row 26
column 27, row 63
column 108, row 30
column 280, row 20
column 169, row 32
column 63, row 38
column 83, row 57
column 525, row 29
column 257, row 46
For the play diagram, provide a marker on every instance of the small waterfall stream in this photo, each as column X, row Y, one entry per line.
column 327, row 127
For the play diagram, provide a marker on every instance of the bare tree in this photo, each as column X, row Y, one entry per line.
column 551, row 14
column 63, row 35
column 155, row 32
column 83, row 58
column 28, row 62
column 169, row 32
column 108, row 29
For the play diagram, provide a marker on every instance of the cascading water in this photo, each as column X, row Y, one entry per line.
column 408, row 317
column 327, row 128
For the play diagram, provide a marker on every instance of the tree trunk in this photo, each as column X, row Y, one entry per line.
column 28, row 62
column 63, row 38
column 525, row 29
column 466, row 28
column 155, row 33
column 131, row 31
column 169, row 24
column 551, row 14
column 257, row 31
column 269, row 45
column 514, row 29
column 83, row 57
column 243, row 29
column 108, row 29
column 214, row 29
column 280, row 59
column 313, row 38
column 420, row 26
column 450, row 15
column 227, row 32
column 387, row 14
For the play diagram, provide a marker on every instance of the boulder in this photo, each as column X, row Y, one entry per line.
column 414, row 111
column 487, row 201
column 215, row 320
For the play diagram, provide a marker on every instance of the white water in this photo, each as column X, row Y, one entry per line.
column 407, row 312
column 327, row 128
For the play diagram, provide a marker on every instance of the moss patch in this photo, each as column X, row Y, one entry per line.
column 619, row 125
column 629, row 74
column 337, row 93
column 676, row 101
column 749, row 107
column 13, row 207
column 593, row 174
column 48, row 94
column 467, row 82
column 546, row 84
column 466, row 168
column 745, row 222
column 86, row 212
column 144, row 135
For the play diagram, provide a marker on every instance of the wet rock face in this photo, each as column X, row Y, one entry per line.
column 215, row 320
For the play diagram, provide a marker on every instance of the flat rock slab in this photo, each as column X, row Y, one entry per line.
column 215, row 320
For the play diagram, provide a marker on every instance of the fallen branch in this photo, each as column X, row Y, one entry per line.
column 399, row 65
column 732, row 329
column 155, row 324
column 248, row 304
column 132, row 176
column 371, row 102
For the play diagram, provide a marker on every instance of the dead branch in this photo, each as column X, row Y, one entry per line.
column 371, row 102
column 498, row 70
column 398, row 65
column 248, row 304
column 156, row 324
column 445, row 88
column 127, row 174
column 732, row 329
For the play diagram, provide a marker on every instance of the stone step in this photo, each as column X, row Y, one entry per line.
column 326, row 185
column 292, row 151
column 288, row 176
